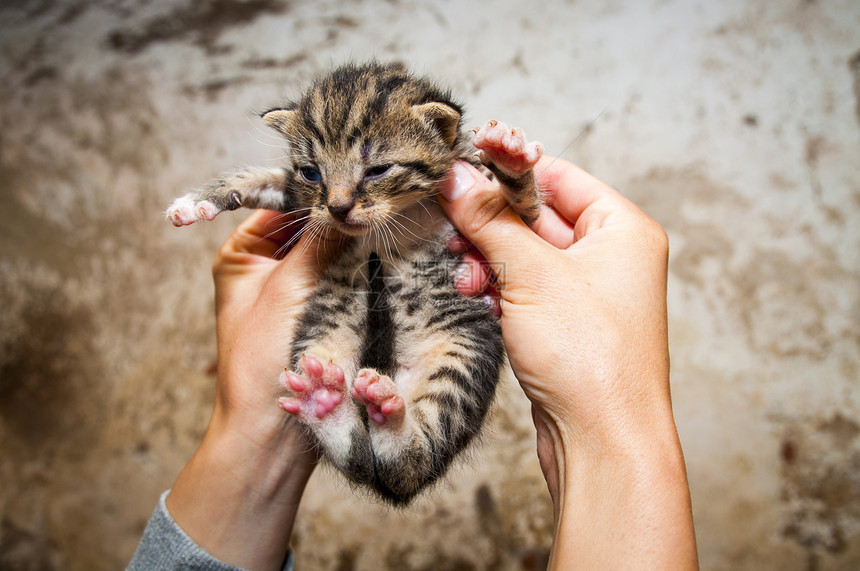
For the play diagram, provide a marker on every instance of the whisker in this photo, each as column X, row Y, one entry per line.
column 424, row 206
column 386, row 234
column 317, row 228
column 306, row 231
column 394, row 240
column 295, row 210
column 307, row 228
column 401, row 229
column 262, row 132
column 285, row 247
column 265, row 144
column 321, row 234
column 380, row 241
column 280, row 159
column 290, row 213
column 290, row 217
column 376, row 244
column 406, row 228
column 286, row 225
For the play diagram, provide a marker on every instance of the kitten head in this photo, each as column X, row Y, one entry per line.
column 365, row 142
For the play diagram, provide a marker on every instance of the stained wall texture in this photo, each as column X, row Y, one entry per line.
column 735, row 124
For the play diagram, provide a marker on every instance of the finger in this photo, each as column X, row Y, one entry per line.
column 554, row 228
column 570, row 190
column 263, row 233
column 458, row 245
column 550, row 226
column 472, row 276
column 479, row 211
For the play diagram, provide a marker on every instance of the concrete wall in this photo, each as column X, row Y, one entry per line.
column 735, row 124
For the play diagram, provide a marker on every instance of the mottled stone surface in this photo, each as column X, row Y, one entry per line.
column 735, row 124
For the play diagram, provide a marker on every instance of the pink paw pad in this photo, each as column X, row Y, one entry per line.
column 506, row 148
column 207, row 210
column 185, row 211
column 378, row 394
column 317, row 392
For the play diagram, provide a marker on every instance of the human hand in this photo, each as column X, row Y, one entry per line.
column 474, row 276
column 238, row 496
column 583, row 315
column 590, row 277
column 258, row 301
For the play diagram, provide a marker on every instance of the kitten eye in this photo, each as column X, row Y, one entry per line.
column 374, row 172
column 310, row 174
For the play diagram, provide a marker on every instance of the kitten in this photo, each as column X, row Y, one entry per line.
column 392, row 370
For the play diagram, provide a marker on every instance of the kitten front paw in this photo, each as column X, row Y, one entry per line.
column 186, row 210
column 318, row 390
column 378, row 394
column 506, row 149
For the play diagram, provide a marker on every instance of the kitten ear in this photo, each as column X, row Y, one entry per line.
column 444, row 117
column 280, row 120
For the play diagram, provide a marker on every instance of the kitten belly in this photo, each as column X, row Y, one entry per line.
column 393, row 370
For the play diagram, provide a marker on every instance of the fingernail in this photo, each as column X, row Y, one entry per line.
column 459, row 181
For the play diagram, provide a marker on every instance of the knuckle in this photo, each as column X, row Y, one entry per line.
column 220, row 260
column 657, row 236
column 485, row 208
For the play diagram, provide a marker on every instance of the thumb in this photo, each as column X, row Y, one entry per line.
column 477, row 208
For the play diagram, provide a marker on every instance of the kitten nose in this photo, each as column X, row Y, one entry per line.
column 340, row 210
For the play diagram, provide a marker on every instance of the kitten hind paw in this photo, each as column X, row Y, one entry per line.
column 378, row 394
column 317, row 391
column 506, row 148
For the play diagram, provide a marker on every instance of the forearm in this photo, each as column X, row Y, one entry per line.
column 237, row 497
column 623, row 500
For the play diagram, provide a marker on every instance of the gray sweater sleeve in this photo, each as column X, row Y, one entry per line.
column 165, row 546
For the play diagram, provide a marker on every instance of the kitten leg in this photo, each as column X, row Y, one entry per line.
column 379, row 395
column 321, row 402
column 318, row 390
column 511, row 159
column 250, row 188
column 323, row 363
column 424, row 417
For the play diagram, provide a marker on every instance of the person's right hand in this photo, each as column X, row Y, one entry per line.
column 583, row 315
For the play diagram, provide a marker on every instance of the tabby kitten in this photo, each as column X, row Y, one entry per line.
column 392, row 370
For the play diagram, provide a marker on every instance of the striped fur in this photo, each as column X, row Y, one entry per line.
column 368, row 147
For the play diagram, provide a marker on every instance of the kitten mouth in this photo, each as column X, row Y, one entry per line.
column 351, row 228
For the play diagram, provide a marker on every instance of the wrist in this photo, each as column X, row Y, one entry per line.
column 627, row 476
column 270, row 458
column 238, row 495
